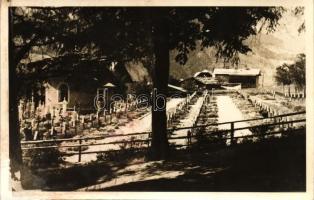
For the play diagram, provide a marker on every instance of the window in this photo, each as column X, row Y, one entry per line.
column 63, row 92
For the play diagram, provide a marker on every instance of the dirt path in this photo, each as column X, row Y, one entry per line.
column 228, row 111
column 137, row 125
column 230, row 169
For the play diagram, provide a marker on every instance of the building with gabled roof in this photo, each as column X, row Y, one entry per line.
column 236, row 72
column 200, row 80
column 248, row 78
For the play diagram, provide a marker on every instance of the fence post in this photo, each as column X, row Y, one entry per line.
column 149, row 139
column 52, row 128
column 80, row 150
column 291, row 122
column 63, row 128
column 189, row 136
column 282, row 122
column 75, row 128
column 232, row 133
column 98, row 120
column 83, row 122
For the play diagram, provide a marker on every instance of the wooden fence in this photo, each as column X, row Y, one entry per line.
column 284, row 123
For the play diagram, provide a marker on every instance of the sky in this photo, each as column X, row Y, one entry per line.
column 287, row 31
column 273, row 49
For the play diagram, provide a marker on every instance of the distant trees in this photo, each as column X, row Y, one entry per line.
column 288, row 74
column 297, row 72
column 283, row 76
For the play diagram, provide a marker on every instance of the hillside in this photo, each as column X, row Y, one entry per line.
column 269, row 50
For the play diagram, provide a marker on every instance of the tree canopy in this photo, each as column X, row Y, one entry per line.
column 124, row 34
column 294, row 73
column 282, row 75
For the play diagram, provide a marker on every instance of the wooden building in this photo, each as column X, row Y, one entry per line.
column 248, row 78
column 200, row 81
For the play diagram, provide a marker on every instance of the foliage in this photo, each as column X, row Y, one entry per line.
column 297, row 71
column 210, row 142
column 43, row 157
column 128, row 150
column 64, row 32
column 299, row 11
column 139, row 88
column 282, row 75
column 293, row 73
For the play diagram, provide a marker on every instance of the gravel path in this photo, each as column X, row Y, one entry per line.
column 228, row 111
column 135, row 126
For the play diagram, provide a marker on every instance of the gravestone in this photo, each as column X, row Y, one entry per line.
column 27, row 133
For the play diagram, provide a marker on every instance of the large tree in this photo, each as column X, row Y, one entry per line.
column 130, row 34
column 125, row 34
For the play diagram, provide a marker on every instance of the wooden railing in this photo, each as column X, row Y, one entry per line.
column 227, row 134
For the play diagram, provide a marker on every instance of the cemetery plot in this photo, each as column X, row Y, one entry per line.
column 248, row 110
column 188, row 119
column 206, row 132
column 273, row 103
column 199, row 119
column 209, row 114
column 115, row 135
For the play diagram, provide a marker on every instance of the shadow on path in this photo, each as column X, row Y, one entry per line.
column 270, row 166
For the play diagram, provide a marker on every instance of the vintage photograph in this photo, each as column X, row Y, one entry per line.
column 157, row 99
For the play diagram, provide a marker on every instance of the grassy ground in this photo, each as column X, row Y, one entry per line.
column 272, row 165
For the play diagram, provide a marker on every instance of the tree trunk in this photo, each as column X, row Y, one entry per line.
column 122, row 74
column 15, row 153
column 160, row 146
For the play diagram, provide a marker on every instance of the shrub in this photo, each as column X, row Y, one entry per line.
column 299, row 108
column 127, row 151
column 209, row 142
column 119, row 155
column 43, row 157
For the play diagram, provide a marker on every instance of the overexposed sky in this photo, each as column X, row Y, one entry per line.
column 287, row 31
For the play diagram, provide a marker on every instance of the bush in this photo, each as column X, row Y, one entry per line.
column 120, row 155
column 209, row 142
column 43, row 157
column 246, row 141
column 299, row 108
column 127, row 151
column 212, row 115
